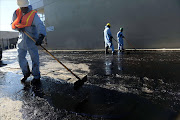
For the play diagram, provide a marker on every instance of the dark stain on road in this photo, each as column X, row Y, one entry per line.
column 138, row 85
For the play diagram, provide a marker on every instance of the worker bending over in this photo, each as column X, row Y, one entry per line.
column 26, row 19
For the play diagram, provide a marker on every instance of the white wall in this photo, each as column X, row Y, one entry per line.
column 79, row 24
column 36, row 4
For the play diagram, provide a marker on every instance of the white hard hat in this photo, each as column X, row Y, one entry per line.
column 22, row 3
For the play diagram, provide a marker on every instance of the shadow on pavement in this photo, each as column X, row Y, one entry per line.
column 56, row 99
column 96, row 102
column 2, row 64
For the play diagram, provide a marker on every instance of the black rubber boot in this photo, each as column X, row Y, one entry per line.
column 25, row 77
column 113, row 52
column 35, row 81
column 106, row 50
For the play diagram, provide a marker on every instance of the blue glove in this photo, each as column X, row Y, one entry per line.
column 40, row 39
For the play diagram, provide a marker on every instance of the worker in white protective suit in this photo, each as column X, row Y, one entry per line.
column 26, row 19
column 120, row 37
column 108, row 38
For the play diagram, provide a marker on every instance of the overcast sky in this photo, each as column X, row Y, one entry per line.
column 7, row 8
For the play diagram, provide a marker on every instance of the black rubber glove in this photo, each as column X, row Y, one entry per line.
column 20, row 29
column 40, row 39
column 122, row 36
column 111, row 38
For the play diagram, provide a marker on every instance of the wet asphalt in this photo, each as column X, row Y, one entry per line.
column 138, row 85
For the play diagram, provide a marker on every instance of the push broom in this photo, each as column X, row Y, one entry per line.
column 78, row 83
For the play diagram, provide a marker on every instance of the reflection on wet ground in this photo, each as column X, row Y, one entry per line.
column 140, row 85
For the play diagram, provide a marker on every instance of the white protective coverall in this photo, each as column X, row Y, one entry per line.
column 120, row 40
column 107, row 38
column 25, row 44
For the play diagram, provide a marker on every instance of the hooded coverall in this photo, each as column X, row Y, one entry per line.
column 108, row 39
column 25, row 44
column 120, row 40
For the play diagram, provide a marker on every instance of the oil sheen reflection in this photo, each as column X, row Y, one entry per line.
column 113, row 64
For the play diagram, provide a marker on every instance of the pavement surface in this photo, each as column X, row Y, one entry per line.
column 138, row 85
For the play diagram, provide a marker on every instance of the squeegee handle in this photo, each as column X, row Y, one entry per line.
column 53, row 56
column 115, row 40
column 130, row 44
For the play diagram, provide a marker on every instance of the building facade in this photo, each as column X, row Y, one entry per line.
column 8, row 39
column 79, row 24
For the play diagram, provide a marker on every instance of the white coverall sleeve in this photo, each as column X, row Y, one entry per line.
column 39, row 25
column 109, row 33
column 118, row 35
column 14, row 18
column 122, row 35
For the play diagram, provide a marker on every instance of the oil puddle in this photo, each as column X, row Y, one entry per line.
column 93, row 101
column 136, row 86
column 53, row 98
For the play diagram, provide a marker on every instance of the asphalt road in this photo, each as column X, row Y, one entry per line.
column 138, row 85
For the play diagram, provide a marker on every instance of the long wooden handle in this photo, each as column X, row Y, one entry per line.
column 115, row 40
column 53, row 56
column 130, row 44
